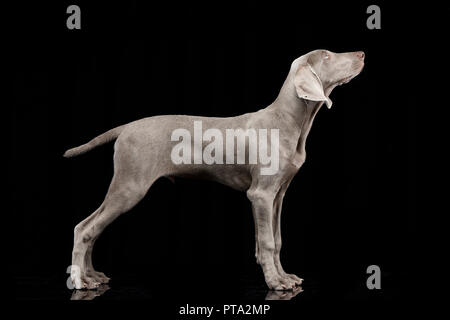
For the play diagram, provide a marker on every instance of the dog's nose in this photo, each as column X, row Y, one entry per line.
column 360, row 54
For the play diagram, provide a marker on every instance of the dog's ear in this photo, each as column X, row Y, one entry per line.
column 308, row 85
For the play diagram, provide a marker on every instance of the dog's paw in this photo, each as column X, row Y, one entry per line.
column 298, row 281
column 280, row 283
column 103, row 278
column 99, row 277
column 85, row 282
column 289, row 281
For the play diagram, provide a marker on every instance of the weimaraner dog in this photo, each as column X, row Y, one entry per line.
column 143, row 150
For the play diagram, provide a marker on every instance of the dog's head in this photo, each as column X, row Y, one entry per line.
column 319, row 71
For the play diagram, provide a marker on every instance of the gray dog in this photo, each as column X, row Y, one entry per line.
column 143, row 151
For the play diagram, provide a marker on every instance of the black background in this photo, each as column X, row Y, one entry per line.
column 351, row 205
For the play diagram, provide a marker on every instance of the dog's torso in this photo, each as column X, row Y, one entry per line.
column 148, row 145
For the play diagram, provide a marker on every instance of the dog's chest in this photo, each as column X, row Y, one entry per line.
column 298, row 159
column 299, row 152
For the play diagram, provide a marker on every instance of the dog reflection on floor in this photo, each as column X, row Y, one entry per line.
column 92, row 294
column 283, row 295
column 89, row 294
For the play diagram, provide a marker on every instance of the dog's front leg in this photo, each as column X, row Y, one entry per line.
column 262, row 205
column 277, row 205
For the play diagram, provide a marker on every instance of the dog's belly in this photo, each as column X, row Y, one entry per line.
column 235, row 176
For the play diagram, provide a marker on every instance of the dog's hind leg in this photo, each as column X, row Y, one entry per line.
column 121, row 197
column 98, row 277
column 88, row 282
column 129, row 185
column 90, row 271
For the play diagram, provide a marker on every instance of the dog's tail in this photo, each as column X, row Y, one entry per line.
column 97, row 141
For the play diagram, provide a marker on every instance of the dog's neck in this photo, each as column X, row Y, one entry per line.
column 289, row 104
column 298, row 110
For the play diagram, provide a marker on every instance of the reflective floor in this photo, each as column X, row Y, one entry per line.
column 129, row 288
